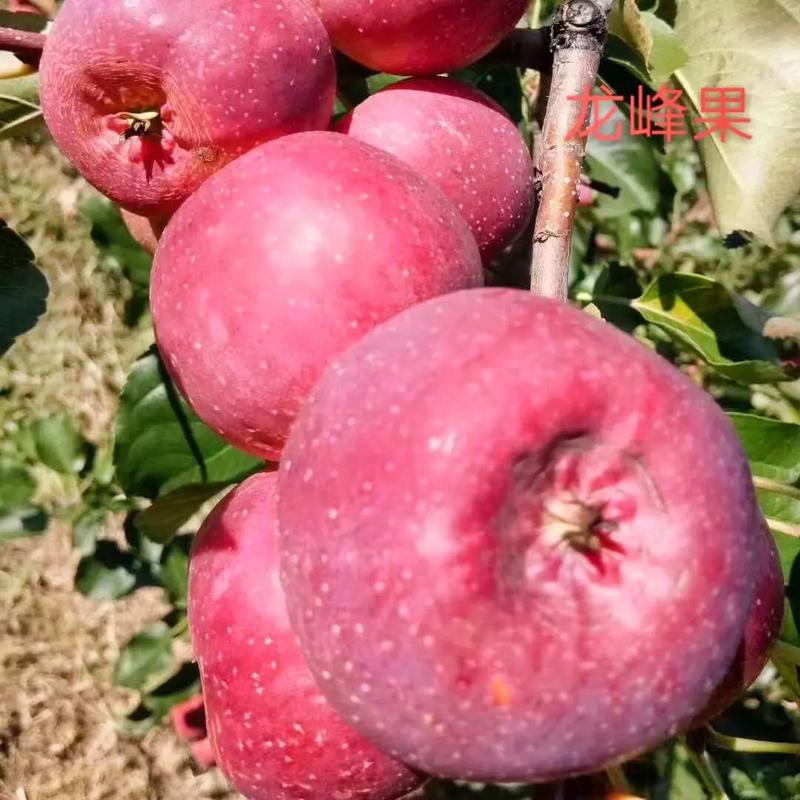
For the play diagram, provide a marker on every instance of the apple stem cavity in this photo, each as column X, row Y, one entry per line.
column 577, row 40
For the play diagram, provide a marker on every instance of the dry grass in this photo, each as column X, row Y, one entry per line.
column 59, row 710
column 76, row 359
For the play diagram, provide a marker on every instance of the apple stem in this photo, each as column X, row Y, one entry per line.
column 737, row 744
column 618, row 780
column 776, row 487
column 26, row 45
column 786, row 528
column 707, row 770
column 578, row 38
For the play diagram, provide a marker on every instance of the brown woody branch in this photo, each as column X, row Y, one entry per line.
column 25, row 45
column 578, row 37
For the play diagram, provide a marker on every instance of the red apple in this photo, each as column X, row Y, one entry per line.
column 285, row 258
column 462, row 142
column 418, row 37
column 763, row 626
column 517, row 545
column 274, row 736
column 189, row 719
column 203, row 753
column 147, row 99
column 145, row 230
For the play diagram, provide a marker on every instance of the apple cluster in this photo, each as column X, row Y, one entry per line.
column 498, row 540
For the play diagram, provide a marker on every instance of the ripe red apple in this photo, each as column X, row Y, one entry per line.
column 763, row 626
column 147, row 99
column 189, row 719
column 462, row 142
column 147, row 231
column 274, row 736
column 203, row 753
column 284, row 259
column 418, row 37
column 516, row 544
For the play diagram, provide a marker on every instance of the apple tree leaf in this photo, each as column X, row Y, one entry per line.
column 19, row 104
column 748, row 44
column 33, row 23
column 146, row 660
column 653, row 38
column 721, row 327
column 162, row 446
column 23, row 288
column 60, row 445
column 772, row 447
column 21, row 522
column 628, row 163
column 167, row 514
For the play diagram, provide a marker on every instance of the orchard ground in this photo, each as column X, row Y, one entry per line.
column 59, row 709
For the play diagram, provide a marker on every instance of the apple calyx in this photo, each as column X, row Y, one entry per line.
column 570, row 521
column 140, row 123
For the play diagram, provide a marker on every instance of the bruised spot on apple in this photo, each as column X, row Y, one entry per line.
column 285, row 258
column 537, row 542
column 418, row 37
column 463, row 143
column 148, row 99
column 274, row 735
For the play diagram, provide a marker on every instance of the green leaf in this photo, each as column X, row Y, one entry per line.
column 107, row 574
column 651, row 37
column 33, row 23
column 628, row 163
column 750, row 44
column 162, row 520
column 147, row 659
column 619, row 53
column 162, row 446
column 772, row 447
column 16, row 485
column 114, row 239
column 19, row 523
column 614, row 287
column 722, row 328
column 23, row 289
column 86, row 530
column 19, row 105
column 185, row 683
column 175, row 569
column 60, row 445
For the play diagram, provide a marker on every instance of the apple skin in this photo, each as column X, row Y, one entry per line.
column 763, row 627
column 222, row 83
column 418, row 37
column 189, row 719
column 284, row 259
column 516, row 544
column 445, row 129
column 273, row 734
column 146, row 231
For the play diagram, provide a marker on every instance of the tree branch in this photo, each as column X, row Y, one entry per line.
column 25, row 45
column 578, row 37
